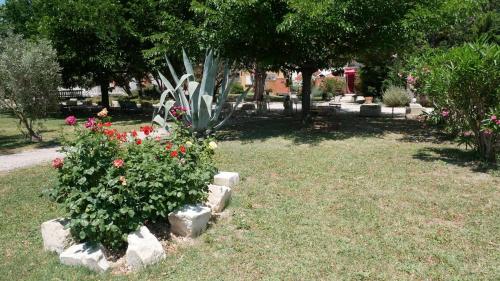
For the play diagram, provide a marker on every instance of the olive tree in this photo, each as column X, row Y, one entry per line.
column 29, row 77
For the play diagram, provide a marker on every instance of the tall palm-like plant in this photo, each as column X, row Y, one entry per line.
column 201, row 112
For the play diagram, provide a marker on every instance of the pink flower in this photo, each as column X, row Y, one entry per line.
column 411, row 80
column 493, row 118
column 498, row 122
column 90, row 123
column 70, row 120
column 445, row 113
column 467, row 134
column 118, row 163
column 57, row 163
column 487, row 132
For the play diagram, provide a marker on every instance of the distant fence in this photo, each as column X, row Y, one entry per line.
column 70, row 94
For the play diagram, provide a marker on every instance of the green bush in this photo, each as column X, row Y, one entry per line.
column 237, row 89
column 463, row 84
column 395, row 96
column 110, row 183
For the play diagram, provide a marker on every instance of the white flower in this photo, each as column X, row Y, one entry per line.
column 189, row 144
column 212, row 145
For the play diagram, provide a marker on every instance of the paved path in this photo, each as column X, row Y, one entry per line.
column 28, row 158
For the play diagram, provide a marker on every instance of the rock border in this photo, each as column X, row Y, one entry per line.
column 143, row 248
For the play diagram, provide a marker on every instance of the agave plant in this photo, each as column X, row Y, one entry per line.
column 201, row 113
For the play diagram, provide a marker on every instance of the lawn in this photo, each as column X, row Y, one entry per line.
column 12, row 141
column 367, row 199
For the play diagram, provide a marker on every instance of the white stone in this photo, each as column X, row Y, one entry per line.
column 190, row 220
column 143, row 249
column 56, row 237
column 229, row 179
column 360, row 99
column 87, row 255
column 370, row 110
column 218, row 197
column 348, row 98
column 414, row 109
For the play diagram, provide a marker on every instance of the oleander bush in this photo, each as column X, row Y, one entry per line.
column 112, row 182
column 463, row 85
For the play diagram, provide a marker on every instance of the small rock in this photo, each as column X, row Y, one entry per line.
column 190, row 220
column 229, row 179
column 56, row 236
column 87, row 255
column 143, row 249
column 218, row 197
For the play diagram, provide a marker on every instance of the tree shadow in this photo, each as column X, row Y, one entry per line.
column 322, row 127
column 455, row 156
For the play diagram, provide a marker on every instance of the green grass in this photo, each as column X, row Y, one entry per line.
column 12, row 141
column 367, row 199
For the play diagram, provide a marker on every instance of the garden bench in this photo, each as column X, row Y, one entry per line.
column 70, row 94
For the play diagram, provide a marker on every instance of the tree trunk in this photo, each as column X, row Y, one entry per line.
column 104, row 93
column 260, row 83
column 306, row 92
column 487, row 147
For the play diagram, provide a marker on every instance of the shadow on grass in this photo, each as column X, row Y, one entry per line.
column 455, row 156
column 339, row 127
column 9, row 143
column 11, row 140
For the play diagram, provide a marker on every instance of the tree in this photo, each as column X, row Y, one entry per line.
column 29, row 76
column 324, row 33
column 245, row 32
column 96, row 40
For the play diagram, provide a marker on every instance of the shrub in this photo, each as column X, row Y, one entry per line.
column 29, row 76
column 110, row 183
column 463, row 84
column 333, row 86
column 395, row 96
column 237, row 89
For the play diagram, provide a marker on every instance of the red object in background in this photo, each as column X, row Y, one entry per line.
column 350, row 76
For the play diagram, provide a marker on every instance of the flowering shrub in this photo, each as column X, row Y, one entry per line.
column 463, row 85
column 112, row 182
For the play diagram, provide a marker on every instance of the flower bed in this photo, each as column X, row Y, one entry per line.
column 112, row 182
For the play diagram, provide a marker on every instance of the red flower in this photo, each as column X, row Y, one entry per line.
column 118, row 163
column 122, row 136
column 174, row 154
column 168, row 146
column 57, row 163
column 182, row 149
column 146, row 130
column 138, row 141
column 107, row 124
column 109, row 133
column 134, row 133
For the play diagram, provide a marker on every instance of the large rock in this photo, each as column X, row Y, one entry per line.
column 190, row 220
column 218, row 197
column 56, row 236
column 229, row 179
column 143, row 249
column 87, row 255
column 370, row 110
